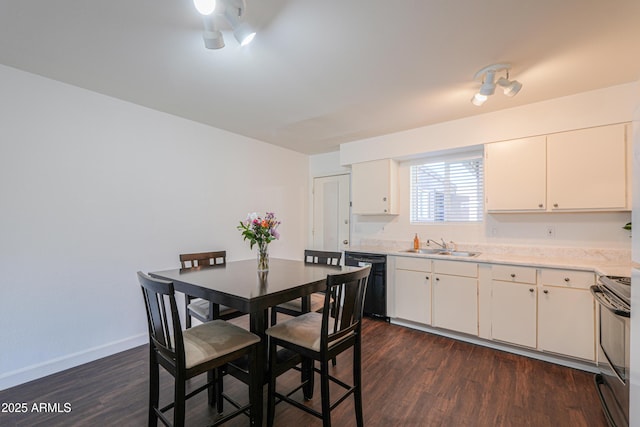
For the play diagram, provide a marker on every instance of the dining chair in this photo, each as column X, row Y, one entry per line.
column 186, row 354
column 320, row 337
column 314, row 301
column 200, row 308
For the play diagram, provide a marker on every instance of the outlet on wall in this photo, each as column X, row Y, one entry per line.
column 551, row 232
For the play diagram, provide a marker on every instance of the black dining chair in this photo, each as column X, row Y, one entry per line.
column 186, row 354
column 314, row 301
column 200, row 308
column 321, row 337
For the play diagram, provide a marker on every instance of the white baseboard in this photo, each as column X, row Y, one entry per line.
column 582, row 365
column 34, row 372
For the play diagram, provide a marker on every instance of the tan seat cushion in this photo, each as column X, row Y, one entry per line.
column 317, row 302
column 214, row 339
column 201, row 307
column 303, row 330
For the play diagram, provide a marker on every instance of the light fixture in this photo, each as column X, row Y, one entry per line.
column 205, row 7
column 487, row 76
column 230, row 10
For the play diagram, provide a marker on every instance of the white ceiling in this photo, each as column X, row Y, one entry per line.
column 321, row 73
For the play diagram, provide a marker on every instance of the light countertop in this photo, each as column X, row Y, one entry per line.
column 615, row 262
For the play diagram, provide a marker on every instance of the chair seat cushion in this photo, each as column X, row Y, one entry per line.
column 214, row 339
column 200, row 307
column 304, row 330
column 317, row 302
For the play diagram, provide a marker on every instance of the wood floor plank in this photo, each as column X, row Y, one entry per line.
column 410, row 378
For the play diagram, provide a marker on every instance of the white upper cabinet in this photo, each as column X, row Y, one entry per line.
column 586, row 169
column 374, row 187
column 570, row 171
column 516, row 175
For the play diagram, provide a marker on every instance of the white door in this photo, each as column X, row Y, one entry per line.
column 331, row 198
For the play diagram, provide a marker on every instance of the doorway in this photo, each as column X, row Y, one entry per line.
column 331, row 209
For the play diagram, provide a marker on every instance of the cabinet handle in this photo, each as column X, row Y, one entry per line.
column 437, row 279
column 566, row 279
column 530, row 289
column 555, row 205
column 513, row 275
column 540, row 205
column 384, row 199
column 545, row 291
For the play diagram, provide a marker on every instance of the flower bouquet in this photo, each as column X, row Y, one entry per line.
column 260, row 231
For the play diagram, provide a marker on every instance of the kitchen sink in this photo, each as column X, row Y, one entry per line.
column 458, row 253
column 424, row 251
column 442, row 252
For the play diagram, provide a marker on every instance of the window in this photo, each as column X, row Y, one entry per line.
column 448, row 189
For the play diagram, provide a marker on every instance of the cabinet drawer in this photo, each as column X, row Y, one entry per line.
column 567, row 278
column 414, row 264
column 511, row 273
column 456, row 268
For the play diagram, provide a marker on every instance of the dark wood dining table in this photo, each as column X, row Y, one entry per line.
column 239, row 285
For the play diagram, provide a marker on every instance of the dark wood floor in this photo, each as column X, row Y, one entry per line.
column 410, row 378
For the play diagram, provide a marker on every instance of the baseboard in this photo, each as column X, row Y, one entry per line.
column 582, row 365
column 34, row 372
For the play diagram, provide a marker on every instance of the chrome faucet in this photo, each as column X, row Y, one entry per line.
column 442, row 245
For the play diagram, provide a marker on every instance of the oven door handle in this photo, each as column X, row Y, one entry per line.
column 598, row 295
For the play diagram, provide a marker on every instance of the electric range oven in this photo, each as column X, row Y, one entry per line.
column 613, row 295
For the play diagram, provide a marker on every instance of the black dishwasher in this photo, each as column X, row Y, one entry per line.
column 375, row 301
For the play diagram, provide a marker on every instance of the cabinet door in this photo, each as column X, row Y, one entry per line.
column 455, row 303
column 566, row 322
column 586, row 169
column 374, row 187
column 513, row 313
column 516, row 175
column 413, row 296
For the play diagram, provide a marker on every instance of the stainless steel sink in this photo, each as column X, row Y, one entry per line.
column 442, row 252
column 424, row 251
column 458, row 253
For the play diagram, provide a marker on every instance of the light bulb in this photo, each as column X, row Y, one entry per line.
column 205, row 7
column 478, row 99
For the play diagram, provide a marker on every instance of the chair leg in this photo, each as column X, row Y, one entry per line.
column 255, row 389
column 179, row 401
column 274, row 316
column 307, row 378
column 219, row 389
column 324, row 392
column 271, row 390
column 154, row 387
column 357, row 382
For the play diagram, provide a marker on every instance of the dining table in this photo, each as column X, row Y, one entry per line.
column 238, row 284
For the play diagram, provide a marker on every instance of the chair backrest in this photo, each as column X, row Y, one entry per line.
column 347, row 290
column 165, row 331
column 203, row 259
column 322, row 257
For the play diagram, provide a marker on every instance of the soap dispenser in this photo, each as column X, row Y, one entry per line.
column 416, row 242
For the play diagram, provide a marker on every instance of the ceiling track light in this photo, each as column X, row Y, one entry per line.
column 487, row 76
column 231, row 11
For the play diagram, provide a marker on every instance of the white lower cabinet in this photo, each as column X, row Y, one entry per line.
column 566, row 314
column 455, row 296
column 513, row 313
column 513, row 304
column 544, row 309
column 413, row 296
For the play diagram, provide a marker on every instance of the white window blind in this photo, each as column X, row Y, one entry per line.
column 448, row 189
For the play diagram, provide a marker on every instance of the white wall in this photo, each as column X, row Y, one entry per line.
column 603, row 230
column 596, row 108
column 92, row 190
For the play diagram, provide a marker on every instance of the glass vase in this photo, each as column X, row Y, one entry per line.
column 263, row 257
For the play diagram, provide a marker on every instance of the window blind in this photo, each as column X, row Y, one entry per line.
column 448, row 190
